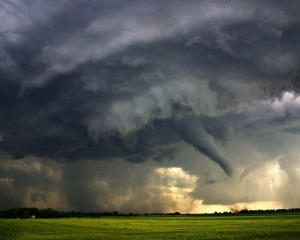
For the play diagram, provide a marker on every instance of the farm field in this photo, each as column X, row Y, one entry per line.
column 155, row 227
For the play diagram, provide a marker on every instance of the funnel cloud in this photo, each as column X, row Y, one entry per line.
column 191, row 131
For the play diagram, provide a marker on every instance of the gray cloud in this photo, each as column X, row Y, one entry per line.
column 109, row 80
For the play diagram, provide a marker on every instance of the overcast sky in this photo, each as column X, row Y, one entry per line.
column 149, row 106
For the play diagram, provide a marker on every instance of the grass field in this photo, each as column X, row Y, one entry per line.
column 166, row 227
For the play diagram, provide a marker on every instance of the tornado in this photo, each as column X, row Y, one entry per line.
column 191, row 131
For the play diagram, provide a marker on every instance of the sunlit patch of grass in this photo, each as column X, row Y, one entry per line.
column 10, row 230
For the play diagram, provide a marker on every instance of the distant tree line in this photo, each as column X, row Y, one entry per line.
column 50, row 213
column 270, row 211
column 260, row 211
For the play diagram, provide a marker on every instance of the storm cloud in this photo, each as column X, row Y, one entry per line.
column 147, row 85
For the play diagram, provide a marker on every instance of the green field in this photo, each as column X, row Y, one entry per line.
column 150, row 227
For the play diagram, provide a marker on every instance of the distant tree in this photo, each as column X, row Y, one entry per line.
column 115, row 213
column 25, row 214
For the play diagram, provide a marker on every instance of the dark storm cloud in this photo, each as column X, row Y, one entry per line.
column 104, row 79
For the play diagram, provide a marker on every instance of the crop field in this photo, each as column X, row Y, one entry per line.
column 151, row 227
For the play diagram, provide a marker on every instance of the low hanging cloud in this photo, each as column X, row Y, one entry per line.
column 282, row 112
column 146, row 82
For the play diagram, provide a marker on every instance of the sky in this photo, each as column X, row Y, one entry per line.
column 150, row 106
